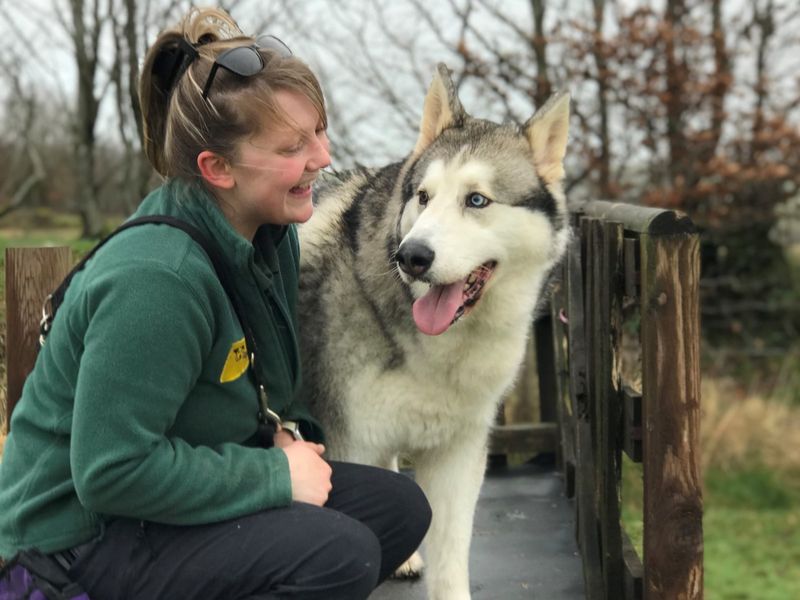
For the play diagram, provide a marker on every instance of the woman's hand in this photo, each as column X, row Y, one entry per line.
column 282, row 438
column 310, row 475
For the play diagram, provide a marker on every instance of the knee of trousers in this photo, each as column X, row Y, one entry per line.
column 414, row 507
column 353, row 556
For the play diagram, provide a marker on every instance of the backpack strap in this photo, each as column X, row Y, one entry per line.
column 268, row 420
column 32, row 574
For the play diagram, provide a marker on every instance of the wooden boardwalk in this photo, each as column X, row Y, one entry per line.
column 523, row 542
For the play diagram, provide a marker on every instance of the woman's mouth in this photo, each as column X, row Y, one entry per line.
column 301, row 190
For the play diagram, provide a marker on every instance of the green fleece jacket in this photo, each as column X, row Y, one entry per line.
column 141, row 404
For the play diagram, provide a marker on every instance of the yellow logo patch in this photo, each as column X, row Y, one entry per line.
column 236, row 363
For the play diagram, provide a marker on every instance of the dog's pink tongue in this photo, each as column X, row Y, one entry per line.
column 434, row 312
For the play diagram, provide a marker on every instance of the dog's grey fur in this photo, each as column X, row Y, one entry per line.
column 379, row 385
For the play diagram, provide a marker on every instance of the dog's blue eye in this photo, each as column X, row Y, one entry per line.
column 478, row 201
column 423, row 197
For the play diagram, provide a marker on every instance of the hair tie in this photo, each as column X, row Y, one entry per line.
column 206, row 38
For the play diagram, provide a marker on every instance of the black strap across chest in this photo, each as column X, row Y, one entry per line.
column 266, row 417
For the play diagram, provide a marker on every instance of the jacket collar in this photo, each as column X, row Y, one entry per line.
column 193, row 202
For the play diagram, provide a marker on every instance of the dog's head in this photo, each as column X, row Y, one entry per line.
column 482, row 202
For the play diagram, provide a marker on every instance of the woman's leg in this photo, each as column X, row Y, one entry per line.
column 302, row 551
column 373, row 520
column 389, row 503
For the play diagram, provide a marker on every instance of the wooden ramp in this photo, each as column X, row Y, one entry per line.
column 523, row 543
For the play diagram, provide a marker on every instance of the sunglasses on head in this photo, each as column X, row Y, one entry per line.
column 244, row 61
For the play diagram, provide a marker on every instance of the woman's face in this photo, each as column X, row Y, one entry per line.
column 275, row 169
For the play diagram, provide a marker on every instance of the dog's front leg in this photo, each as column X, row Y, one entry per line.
column 451, row 477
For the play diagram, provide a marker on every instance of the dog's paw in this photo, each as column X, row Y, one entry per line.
column 411, row 569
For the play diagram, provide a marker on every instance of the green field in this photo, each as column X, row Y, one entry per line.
column 751, row 527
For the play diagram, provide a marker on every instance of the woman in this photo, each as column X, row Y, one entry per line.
column 136, row 458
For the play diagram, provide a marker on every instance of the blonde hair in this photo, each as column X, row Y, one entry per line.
column 179, row 123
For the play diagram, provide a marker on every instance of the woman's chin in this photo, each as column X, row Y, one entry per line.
column 301, row 214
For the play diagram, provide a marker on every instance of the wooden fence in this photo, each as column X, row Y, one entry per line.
column 625, row 331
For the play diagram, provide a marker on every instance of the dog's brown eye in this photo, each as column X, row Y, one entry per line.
column 423, row 197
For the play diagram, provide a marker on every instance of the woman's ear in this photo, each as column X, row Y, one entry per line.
column 215, row 170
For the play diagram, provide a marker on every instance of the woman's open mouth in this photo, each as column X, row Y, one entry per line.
column 443, row 305
column 301, row 190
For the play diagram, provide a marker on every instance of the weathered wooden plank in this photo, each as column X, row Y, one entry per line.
column 631, row 260
column 31, row 274
column 565, row 412
column 673, row 503
column 545, row 367
column 641, row 219
column 632, row 424
column 609, row 413
column 634, row 572
column 605, row 282
column 578, row 361
column 576, row 345
column 521, row 404
column 581, row 388
column 587, row 528
column 523, row 438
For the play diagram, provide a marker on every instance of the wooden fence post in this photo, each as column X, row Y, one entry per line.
column 673, row 503
column 624, row 258
column 31, row 274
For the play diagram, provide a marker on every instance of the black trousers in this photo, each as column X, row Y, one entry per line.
column 374, row 519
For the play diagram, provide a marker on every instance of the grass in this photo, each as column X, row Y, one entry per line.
column 750, row 446
column 751, row 529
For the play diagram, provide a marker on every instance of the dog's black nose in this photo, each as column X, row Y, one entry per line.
column 414, row 258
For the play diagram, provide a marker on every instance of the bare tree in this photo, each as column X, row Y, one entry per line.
column 599, row 54
column 84, row 25
column 24, row 169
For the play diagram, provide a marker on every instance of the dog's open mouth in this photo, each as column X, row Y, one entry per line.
column 443, row 305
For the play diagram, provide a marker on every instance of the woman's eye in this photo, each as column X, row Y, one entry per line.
column 295, row 148
column 477, row 201
column 423, row 197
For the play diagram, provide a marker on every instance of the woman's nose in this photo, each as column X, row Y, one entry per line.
column 321, row 157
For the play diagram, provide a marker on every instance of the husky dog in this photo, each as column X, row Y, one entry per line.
column 418, row 285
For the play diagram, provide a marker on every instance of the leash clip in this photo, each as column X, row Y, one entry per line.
column 46, row 324
column 266, row 414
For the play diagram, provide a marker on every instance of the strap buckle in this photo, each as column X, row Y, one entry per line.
column 46, row 324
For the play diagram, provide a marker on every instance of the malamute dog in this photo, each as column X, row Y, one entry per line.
column 418, row 285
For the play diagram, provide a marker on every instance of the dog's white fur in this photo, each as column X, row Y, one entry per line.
column 439, row 406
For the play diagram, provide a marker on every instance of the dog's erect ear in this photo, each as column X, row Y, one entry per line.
column 442, row 108
column 547, row 132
